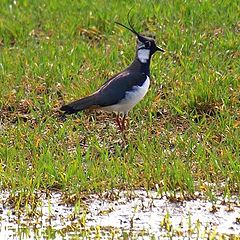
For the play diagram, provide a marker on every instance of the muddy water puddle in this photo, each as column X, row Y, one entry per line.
column 130, row 215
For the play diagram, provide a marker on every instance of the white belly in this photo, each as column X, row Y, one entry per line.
column 131, row 98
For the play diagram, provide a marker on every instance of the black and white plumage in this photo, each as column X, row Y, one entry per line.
column 123, row 91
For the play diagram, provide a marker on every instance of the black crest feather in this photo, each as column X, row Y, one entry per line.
column 130, row 28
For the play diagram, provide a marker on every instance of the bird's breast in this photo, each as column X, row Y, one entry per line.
column 132, row 97
column 137, row 92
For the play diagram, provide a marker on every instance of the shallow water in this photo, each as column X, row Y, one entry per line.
column 132, row 215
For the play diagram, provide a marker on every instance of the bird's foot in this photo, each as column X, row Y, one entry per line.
column 121, row 124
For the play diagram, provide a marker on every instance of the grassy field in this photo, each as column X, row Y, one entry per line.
column 183, row 137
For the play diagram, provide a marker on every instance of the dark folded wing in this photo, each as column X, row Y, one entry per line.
column 115, row 88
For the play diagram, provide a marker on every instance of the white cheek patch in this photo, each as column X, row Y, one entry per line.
column 143, row 55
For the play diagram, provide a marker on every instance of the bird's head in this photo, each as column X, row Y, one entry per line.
column 146, row 46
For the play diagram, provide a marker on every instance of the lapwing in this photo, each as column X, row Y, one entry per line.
column 124, row 90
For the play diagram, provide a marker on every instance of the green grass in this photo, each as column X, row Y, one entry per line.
column 184, row 134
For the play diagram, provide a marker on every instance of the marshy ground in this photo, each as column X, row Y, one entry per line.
column 121, row 214
column 182, row 141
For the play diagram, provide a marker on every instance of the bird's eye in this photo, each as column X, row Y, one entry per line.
column 147, row 44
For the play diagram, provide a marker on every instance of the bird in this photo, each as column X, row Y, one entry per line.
column 124, row 90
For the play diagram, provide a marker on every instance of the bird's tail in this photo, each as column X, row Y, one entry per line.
column 79, row 105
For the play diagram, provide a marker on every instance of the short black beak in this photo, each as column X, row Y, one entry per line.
column 160, row 49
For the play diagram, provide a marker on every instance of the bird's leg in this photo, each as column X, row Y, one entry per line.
column 118, row 122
